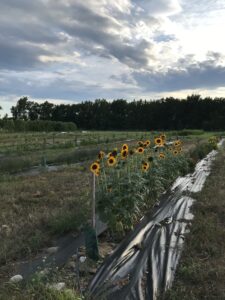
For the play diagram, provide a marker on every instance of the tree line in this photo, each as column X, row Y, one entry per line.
column 194, row 112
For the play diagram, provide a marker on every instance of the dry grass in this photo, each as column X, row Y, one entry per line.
column 202, row 269
column 34, row 208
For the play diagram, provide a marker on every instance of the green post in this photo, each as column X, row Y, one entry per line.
column 91, row 241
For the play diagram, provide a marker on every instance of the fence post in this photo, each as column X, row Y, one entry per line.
column 93, row 204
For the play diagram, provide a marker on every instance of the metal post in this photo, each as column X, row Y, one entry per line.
column 93, row 204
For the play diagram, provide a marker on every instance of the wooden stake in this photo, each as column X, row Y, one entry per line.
column 93, row 204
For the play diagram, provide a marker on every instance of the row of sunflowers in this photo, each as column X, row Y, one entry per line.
column 142, row 148
column 130, row 179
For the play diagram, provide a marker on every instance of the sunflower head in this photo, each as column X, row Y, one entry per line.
column 177, row 143
column 114, row 153
column 95, row 167
column 147, row 142
column 140, row 150
column 175, row 152
column 97, row 173
column 163, row 137
column 111, row 161
column 124, row 153
column 162, row 155
column 158, row 141
column 109, row 154
column 144, row 163
column 101, row 154
column 140, row 144
column 145, row 167
column 145, row 145
column 125, row 147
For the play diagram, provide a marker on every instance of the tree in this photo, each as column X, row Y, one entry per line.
column 20, row 111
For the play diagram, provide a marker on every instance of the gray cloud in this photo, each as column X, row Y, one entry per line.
column 40, row 23
column 190, row 75
column 109, row 47
column 21, row 56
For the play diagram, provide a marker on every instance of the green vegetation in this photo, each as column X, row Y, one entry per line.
column 20, row 151
column 201, row 272
column 38, row 125
column 170, row 113
column 38, row 288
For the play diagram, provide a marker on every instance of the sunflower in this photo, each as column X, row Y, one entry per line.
column 97, row 173
column 140, row 150
column 158, row 141
column 147, row 142
column 101, row 154
column 125, row 147
column 109, row 154
column 161, row 155
column 140, row 144
column 95, row 167
column 177, row 143
column 111, row 161
column 145, row 145
column 175, row 152
column 114, row 153
column 124, row 153
column 163, row 137
column 145, row 167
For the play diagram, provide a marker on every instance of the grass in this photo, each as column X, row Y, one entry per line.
column 33, row 209
column 39, row 288
column 201, row 272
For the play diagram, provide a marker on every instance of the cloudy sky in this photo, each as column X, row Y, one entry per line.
column 75, row 50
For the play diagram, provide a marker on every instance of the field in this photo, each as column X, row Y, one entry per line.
column 46, row 191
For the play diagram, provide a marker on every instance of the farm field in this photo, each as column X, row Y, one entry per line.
column 37, row 208
column 20, row 151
